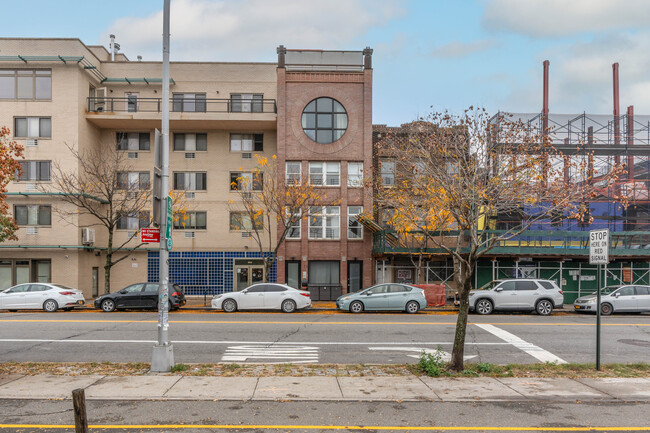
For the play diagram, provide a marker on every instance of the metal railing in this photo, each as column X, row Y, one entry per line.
column 554, row 242
column 187, row 105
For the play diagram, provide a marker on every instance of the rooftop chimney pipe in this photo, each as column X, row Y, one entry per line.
column 112, row 48
column 617, row 110
column 545, row 98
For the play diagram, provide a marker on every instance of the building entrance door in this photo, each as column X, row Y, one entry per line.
column 248, row 274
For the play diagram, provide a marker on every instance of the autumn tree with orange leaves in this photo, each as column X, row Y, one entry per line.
column 459, row 172
column 10, row 151
column 268, row 204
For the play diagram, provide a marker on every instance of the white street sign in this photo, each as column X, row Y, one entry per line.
column 599, row 247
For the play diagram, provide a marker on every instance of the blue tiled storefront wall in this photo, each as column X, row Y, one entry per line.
column 202, row 272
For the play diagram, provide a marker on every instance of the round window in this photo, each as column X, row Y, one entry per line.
column 324, row 120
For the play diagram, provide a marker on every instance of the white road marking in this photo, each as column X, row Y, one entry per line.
column 305, row 343
column 294, row 354
column 446, row 356
column 529, row 348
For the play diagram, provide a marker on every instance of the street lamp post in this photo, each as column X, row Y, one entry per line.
column 163, row 352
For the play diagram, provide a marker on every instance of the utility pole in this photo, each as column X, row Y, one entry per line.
column 163, row 352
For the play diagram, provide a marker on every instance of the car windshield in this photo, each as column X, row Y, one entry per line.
column 607, row 290
column 489, row 286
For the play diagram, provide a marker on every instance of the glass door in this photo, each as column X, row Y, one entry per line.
column 293, row 274
column 6, row 274
column 22, row 271
column 242, row 278
column 355, row 276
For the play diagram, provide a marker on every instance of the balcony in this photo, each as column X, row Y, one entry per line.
column 197, row 113
column 540, row 243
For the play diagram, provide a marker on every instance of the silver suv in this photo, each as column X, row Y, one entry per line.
column 520, row 294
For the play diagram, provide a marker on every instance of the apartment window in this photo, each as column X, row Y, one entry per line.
column 191, row 221
column 133, row 221
column 386, row 216
column 33, row 127
column 190, row 181
column 293, row 173
column 133, row 180
column 33, row 215
column 355, row 174
column 325, row 173
column 189, row 102
column 294, row 220
column 133, row 141
column 246, row 102
column 131, row 101
column 246, row 142
column 355, row 229
column 190, row 142
column 26, row 84
column 324, row 222
column 387, row 173
column 241, row 221
column 246, row 181
column 324, row 120
column 35, row 171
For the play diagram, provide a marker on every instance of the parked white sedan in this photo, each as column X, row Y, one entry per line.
column 49, row 297
column 263, row 296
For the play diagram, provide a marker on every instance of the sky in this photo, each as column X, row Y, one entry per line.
column 429, row 55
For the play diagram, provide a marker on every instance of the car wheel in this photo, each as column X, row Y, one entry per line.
column 412, row 307
column 288, row 306
column 50, row 306
column 108, row 305
column 606, row 309
column 544, row 307
column 229, row 306
column 356, row 307
column 484, row 306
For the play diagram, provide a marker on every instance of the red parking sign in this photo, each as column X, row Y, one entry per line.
column 149, row 235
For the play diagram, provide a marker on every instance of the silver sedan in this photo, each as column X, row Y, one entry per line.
column 628, row 299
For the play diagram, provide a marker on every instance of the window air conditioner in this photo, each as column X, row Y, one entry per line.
column 31, row 142
column 132, row 195
column 190, row 195
column 246, row 195
column 190, row 155
column 87, row 236
column 246, row 155
column 31, row 230
column 246, row 235
column 189, row 234
column 133, row 155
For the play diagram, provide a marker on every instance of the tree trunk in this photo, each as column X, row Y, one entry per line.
column 267, row 268
column 464, row 285
column 109, row 263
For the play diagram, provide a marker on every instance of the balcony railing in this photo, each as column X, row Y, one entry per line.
column 191, row 105
column 532, row 242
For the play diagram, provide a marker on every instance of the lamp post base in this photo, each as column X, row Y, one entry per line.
column 162, row 360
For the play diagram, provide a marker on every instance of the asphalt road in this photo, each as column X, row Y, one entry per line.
column 322, row 338
column 319, row 416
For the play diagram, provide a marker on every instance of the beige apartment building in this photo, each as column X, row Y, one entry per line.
column 312, row 109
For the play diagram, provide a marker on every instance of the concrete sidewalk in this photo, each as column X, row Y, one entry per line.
column 320, row 388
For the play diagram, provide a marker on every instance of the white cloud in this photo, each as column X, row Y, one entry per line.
column 581, row 76
column 250, row 30
column 555, row 18
column 462, row 49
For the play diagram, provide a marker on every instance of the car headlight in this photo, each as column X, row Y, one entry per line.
column 591, row 301
column 217, row 296
column 346, row 298
column 472, row 294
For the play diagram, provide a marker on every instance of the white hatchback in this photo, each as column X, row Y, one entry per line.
column 263, row 296
column 49, row 297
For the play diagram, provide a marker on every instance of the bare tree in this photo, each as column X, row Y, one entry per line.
column 106, row 187
column 463, row 172
column 270, row 203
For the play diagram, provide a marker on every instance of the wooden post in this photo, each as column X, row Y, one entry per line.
column 79, row 403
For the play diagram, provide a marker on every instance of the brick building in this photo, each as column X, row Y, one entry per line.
column 312, row 109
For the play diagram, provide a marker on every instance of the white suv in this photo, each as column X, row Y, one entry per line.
column 520, row 294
